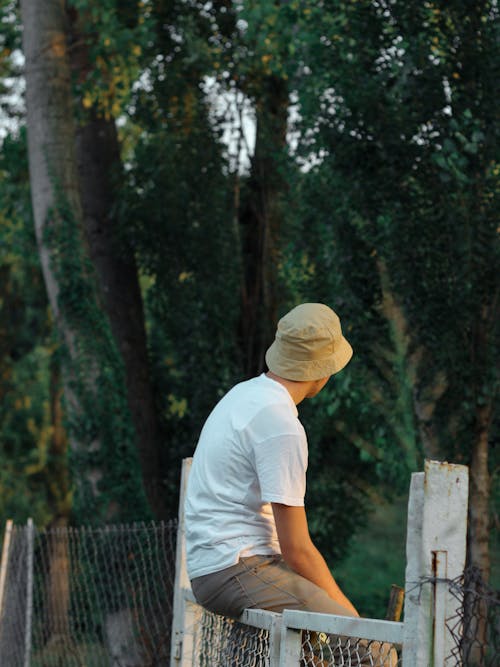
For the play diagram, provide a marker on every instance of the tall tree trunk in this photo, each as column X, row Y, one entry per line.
column 57, row 585
column 50, row 139
column 98, row 159
column 99, row 169
column 92, row 373
column 479, row 495
column 57, row 588
column 58, row 480
column 261, row 224
column 51, row 158
column 475, row 641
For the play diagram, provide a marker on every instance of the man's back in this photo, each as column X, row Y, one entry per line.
column 252, row 451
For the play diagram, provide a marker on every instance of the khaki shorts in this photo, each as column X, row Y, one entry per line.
column 261, row 582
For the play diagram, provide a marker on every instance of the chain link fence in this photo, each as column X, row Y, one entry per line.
column 475, row 627
column 322, row 650
column 102, row 597
column 222, row 641
column 94, row 597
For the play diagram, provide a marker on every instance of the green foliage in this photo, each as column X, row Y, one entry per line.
column 10, row 37
column 25, row 350
column 116, row 52
column 184, row 240
column 411, row 176
column 104, row 458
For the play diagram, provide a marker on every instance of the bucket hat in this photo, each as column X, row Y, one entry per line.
column 309, row 344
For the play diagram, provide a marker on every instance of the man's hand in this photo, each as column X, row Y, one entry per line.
column 301, row 555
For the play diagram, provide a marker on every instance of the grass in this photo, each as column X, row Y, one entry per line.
column 376, row 560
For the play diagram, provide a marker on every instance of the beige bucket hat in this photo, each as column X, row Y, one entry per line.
column 309, row 344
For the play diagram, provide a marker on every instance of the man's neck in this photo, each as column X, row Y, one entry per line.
column 297, row 389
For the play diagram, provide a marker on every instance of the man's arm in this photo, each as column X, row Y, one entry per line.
column 301, row 555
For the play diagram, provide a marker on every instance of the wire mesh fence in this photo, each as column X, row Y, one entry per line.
column 222, row 641
column 324, row 650
column 475, row 627
column 99, row 597
column 102, row 597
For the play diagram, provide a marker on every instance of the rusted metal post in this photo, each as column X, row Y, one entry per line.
column 440, row 594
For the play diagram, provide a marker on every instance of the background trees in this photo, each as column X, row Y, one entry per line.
column 361, row 171
column 411, row 166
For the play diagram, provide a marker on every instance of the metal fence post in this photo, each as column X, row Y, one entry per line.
column 185, row 614
column 440, row 592
column 29, row 592
column 436, row 542
column 4, row 564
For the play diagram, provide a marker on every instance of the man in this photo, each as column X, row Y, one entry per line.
column 247, row 537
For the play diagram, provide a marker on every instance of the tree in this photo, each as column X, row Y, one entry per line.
column 178, row 213
column 408, row 134
column 262, row 76
column 100, row 433
column 100, row 174
column 34, row 479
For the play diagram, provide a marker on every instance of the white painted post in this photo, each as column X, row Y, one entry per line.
column 435, row 547
column 29, row 592
column 4, row 563
column 189, row 639
column 416, row 637
column 186, row 613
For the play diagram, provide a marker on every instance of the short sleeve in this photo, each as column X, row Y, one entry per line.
column 281, row 464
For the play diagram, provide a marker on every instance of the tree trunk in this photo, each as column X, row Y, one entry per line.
column 50, row 141
column 58, row 480
column 99, row 168
column 261, row 223
column 50, row 128
column 57, row 586
column 475, row 641
column 479, row 495
column 92, row 374
column 98, row 160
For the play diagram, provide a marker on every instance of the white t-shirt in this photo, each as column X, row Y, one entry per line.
column 252, row 451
